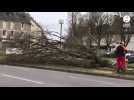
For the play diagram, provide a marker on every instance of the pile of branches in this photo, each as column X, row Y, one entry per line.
column 42, row 50
column 50, row 52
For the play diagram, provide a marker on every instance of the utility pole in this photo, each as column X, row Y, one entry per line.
column 72, row 24
column 61, row 22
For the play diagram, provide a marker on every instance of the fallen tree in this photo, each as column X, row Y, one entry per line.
column 41, row 50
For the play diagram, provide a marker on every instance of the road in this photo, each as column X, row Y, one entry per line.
column 11, row 76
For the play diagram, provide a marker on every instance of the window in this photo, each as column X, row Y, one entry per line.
column 4, row 32
column 12, row 32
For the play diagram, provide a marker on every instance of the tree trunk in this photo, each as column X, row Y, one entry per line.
column 98, row 44
column 90, row 43
column 128, row 40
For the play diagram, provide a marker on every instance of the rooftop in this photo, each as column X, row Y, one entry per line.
column 15, row 16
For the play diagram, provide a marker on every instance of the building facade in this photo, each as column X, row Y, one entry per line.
column 12, row 23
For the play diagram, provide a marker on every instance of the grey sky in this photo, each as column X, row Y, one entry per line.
column 51, row 19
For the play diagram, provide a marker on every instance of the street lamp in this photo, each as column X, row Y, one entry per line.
column 61, row 22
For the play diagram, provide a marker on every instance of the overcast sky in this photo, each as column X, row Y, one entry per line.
column 51, row 19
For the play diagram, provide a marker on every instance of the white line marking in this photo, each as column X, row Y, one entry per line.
column 24, row 79
column 72, row 77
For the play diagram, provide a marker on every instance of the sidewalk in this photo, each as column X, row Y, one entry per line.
column 108, row 72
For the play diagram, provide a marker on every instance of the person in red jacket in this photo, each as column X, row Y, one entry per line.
column 120, row 57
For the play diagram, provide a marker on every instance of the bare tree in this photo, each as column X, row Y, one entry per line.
column 72, row 21
column 108, row 32
column 118, row 27
column 92, row 28
column 97, row 21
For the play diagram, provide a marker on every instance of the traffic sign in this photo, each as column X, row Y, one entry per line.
column 126, row 19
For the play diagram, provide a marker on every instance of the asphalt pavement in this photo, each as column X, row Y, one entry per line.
column 15, row 76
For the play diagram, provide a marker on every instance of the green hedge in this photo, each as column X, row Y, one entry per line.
column 106, row 62
column 2, row 53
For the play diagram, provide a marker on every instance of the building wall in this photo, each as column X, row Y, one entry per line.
column 16, row 26
column 8, row 23
column 131, row 44
column 1, row 24
column 34, row 27
column 1, row 32
column 4, row 25
column 27, row 28
column 12, row 25
column 12, row 28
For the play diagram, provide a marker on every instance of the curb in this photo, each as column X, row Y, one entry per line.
column 126, row 77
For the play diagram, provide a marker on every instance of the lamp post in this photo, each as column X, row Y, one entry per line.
column 61, row 22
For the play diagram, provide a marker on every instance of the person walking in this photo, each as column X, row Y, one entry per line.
column 120, row 58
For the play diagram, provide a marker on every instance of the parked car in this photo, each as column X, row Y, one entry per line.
column 130, row 56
